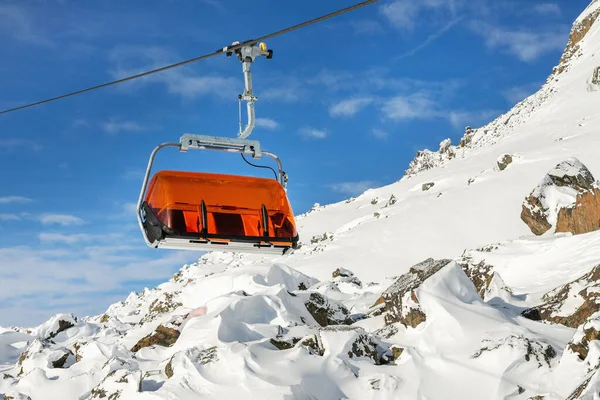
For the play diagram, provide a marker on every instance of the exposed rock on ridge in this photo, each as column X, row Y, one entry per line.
column 568, row 198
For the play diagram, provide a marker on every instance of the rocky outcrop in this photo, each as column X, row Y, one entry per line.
column 118, row 384
column 194, row 356
column 427, row 159
column 571, row 304
column 162, row 336
column 480, row 274
column 578, row 33
column 426, row 186
column 532, row 350
column 568, row 199
column 504, row 161
column 401, row 303
column 327, row 312
column 583, row 216
column 586, row 333
column 596, row 76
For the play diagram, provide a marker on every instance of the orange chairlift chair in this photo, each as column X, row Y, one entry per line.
column 206, row 211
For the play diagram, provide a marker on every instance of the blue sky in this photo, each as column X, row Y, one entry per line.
column 345, row 103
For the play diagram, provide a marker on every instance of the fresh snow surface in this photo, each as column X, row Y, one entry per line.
column 228, row 307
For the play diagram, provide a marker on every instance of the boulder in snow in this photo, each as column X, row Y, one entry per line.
column 121, row 383
column 55, row 325
column 568, row 198
column 571, row 304
column 162, row 336
column 400, row 300
column 586, row 333
column 344, row 273
column 426, row 186
column 327, row 312
column 504, row 161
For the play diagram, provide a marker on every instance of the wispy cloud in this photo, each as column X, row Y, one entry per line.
column 404, row 14
column 133, row 174
column 19, row 24
column 38, row 276
column 267, row 123
column 517, row 93
column 401, row 13
column 352, row 188
column 367, row 27
column 14, row 199
column 415, row 106
column 461, row 119
column 423, row 106
column 547, row 9
column 114, row 126
column 47, row 237
column 61, row 219
column 526, row 45
column 313, row 133
column 130, row 60
column 349, row 107
column 431, row 38
column 14, row 144
column 379, row 133
column 9, row 217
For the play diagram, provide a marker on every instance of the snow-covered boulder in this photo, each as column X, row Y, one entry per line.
column 118, row 384
column 326, row 311
column 582, row 340
column 571, row 304
column 401, row 303
column 55, row 325
column 568, row 199
column 504, row 161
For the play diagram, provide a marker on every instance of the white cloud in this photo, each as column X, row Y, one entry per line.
column 266, row 123
column 349, row 107
column 404, row 14
column 9, row 217
column 113, row 126
column 517, row 93
column 379, row 133
column 67, row 239
column 133, row 174
column 461, row 119
column 80, row 279
column 182, row 81
column 14, row 199
column 18, row 23
column 401, row 13
column 547, row 9
column 527, row 46
column 422, row 106
column 415, row 106
column 61, row 219
column 130, row 208
column 313, row 133
column 352, row 188
column 12, row 144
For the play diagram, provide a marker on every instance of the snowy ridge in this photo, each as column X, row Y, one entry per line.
column 583, row 41
column 515, row 316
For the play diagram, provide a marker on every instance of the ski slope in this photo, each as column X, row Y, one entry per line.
column 242, row 327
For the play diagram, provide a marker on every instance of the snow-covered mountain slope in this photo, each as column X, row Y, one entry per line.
column 304, row 327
